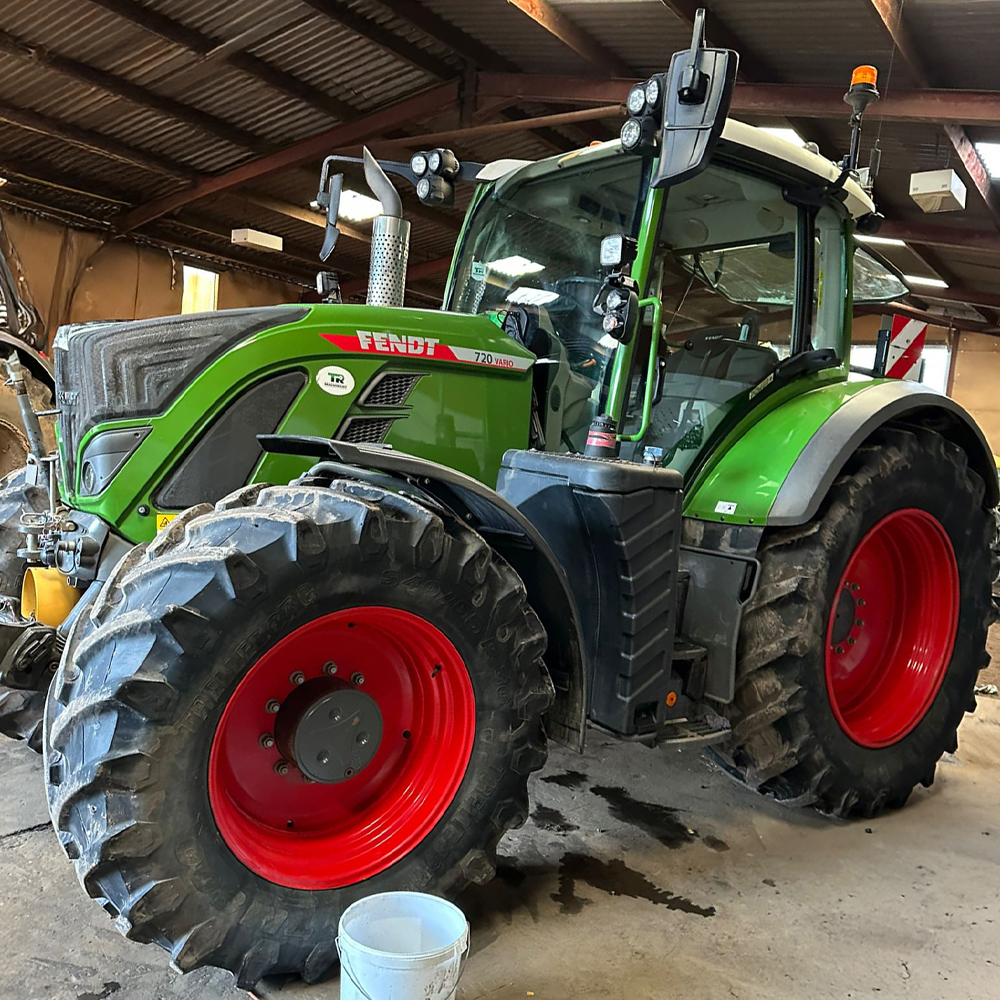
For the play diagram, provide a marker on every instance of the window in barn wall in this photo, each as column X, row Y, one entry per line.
column 201, row 290
column 935, row 359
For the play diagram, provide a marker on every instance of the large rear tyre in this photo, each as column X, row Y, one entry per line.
column 297, row 699
column 859, row 652
column 20, row 711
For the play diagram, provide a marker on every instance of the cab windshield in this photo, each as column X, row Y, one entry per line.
column 724, row 269
column 533, row 245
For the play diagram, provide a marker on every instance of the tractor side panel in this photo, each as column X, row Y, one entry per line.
column 448, row 387
column 777, row 471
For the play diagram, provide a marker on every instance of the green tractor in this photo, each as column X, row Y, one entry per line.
column 625, row 479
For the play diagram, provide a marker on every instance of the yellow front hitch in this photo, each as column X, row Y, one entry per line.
column 46, row 596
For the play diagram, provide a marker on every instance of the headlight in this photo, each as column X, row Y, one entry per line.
column 631, row 134
column 423, row 188
column 418, row 164
column 653, row 93
column 615, row 299
column 434, row 161
column 636, row 100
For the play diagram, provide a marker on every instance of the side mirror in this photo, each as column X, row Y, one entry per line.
column 699, row 91
column 329, row 198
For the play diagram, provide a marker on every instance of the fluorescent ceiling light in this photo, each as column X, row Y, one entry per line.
column 358, row 207
column 532, row 296
column 788, row 134
column 881, row 241
column 514, row 267
column 919, row 279
column 989, row 153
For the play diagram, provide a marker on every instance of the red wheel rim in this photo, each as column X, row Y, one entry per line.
column 892, row 628
column 307, row 835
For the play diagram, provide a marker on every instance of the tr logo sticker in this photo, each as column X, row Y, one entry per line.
column 335, row 380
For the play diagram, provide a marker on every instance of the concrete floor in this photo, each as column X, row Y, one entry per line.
column 642, row 874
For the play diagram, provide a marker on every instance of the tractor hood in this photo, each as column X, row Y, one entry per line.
column 158, row 415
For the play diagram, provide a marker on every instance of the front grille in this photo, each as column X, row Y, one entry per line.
column 389, row 389
column 364, row 430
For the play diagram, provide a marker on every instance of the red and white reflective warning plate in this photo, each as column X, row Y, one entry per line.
column 906, row 345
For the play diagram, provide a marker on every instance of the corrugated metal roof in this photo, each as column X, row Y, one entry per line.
column 818, row 42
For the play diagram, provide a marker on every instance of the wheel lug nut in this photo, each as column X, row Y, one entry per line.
column 861, row 602
column 361, row 738
column 855, row 587
column 273, row 705
column 840, row 649
column 335, row 715
column 851, row 640
column 281, row 767
column 323, row 757
column 358, row 678
column 329, row 667
column 297, row 678
column 266, row 741
column 859, row 622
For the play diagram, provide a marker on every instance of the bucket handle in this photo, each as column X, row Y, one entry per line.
column 350, row 974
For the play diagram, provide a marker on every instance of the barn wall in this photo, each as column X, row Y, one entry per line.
column 73, row 276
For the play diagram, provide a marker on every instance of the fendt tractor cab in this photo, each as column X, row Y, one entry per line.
column 625, row 478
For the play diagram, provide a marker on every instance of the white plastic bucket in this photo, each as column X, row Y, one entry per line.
column 401, row 946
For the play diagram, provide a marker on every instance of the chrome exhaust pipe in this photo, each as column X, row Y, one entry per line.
column 390, row 240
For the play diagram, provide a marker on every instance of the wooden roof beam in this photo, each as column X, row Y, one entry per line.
column 119, row 87
column 932, row 235
column 573, row 36
column 405, row 112
column 94, row 142
column 781, row 100
column 205, row 46
column 890, row 13
column 384, row 38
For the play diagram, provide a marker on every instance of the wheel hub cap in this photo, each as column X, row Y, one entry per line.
column 329, row 729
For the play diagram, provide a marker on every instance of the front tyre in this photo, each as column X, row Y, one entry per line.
column 859, row 652
column 302, row 697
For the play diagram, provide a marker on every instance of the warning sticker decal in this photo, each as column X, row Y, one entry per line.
column 162, row 520
column 406, row 345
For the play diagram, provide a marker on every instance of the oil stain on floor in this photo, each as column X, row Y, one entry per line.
column 568, row 779
column 658, row 821
column 616, row 879
column 547, row 818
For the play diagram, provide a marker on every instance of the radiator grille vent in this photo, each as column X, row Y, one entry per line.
column 365, row 430
column 389, row 389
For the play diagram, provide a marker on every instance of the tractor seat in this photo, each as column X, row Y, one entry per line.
column 716, row 354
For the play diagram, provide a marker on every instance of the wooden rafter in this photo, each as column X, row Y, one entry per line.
column 397, row 115
column 573, row 36
column 118, row 86
column 94, row 142
column 968, row 107
column 204, row 45
column 890, row 14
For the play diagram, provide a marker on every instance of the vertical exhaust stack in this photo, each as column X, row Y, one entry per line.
column 390, row 240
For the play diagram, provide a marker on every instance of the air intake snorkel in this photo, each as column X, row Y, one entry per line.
column 390, row 240
column 434, row 184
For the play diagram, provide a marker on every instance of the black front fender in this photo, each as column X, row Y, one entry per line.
column 508, row 532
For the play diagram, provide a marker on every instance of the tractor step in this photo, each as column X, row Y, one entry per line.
column 695, row 732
